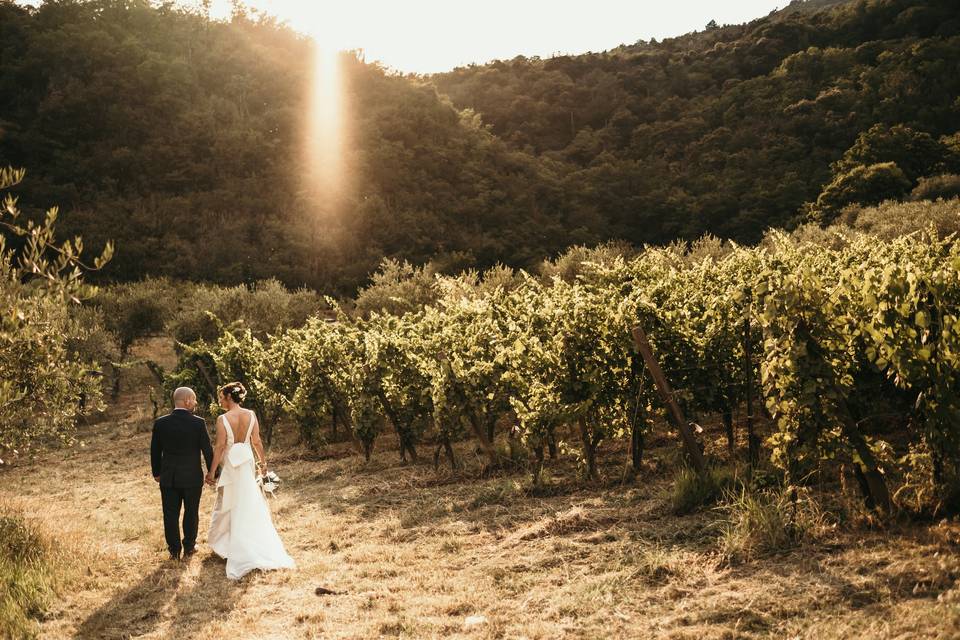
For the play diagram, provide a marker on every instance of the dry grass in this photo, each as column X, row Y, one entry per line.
column 418, row 554
column 27, row 573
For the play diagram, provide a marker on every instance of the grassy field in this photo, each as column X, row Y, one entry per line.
column 417, row 553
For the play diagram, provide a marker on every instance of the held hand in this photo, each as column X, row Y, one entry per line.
column 209, row 479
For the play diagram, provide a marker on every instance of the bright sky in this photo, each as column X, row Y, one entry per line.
column 427, row 36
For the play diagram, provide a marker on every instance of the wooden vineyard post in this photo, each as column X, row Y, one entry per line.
column 752, row 443
column 666, row 393
column 214, row 390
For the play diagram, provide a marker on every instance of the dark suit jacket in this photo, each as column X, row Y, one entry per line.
column 178, row 441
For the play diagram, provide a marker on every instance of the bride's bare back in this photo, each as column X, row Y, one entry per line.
column 239, row 421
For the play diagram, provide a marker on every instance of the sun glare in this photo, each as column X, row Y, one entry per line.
column 428, row 36
column 327, row 124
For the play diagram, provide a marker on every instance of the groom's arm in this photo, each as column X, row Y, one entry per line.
column 205, row 445
column 156, row 453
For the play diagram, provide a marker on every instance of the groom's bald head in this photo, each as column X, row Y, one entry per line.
column 184, row 398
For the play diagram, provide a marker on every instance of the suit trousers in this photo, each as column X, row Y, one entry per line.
column 173, row 498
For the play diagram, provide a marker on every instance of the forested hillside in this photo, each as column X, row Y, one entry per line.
column 732, row 129
column 182, row 138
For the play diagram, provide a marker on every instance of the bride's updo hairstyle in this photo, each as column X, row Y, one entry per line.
column 235, row 391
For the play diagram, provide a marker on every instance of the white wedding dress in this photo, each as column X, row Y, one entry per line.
column 241, row 529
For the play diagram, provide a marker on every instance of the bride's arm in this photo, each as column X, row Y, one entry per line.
column 218, row 449
column 258, row 445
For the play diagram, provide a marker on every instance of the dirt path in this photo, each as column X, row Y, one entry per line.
column 419, row 554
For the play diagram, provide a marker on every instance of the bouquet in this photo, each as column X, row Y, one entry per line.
column 269, row 482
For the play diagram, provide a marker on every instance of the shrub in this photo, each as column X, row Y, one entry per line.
column 707, row 246
column 946, row 186
column 91, row 342
column 915, row 152
column 43, row 387
column 397, row 287
column 572, row 262
column 475, row 283
column 891, row 220
column 137, row 309
column 860, row 185
column 266, row 307
column 26, row 579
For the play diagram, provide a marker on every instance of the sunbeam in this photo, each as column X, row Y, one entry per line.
column 326, row 129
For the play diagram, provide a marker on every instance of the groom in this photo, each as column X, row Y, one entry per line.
column 178, row 440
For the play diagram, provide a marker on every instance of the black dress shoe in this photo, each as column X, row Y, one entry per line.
column 174, row 556
column 189, row 552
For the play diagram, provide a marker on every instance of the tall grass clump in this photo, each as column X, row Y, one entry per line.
column 691, row 490
column 761, row 522
column 653, row 563
column 26, row 577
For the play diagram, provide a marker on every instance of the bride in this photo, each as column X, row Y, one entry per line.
column 241, row 529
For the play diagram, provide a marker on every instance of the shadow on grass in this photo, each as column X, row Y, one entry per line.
column 405, row 499
column 142, row 608
column 421, row 497
column 210, row 597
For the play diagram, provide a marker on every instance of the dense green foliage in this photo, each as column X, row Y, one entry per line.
column 202, row 178
column 855, row 339
column 197, row 165
column 732, row 129
column 46, row 378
